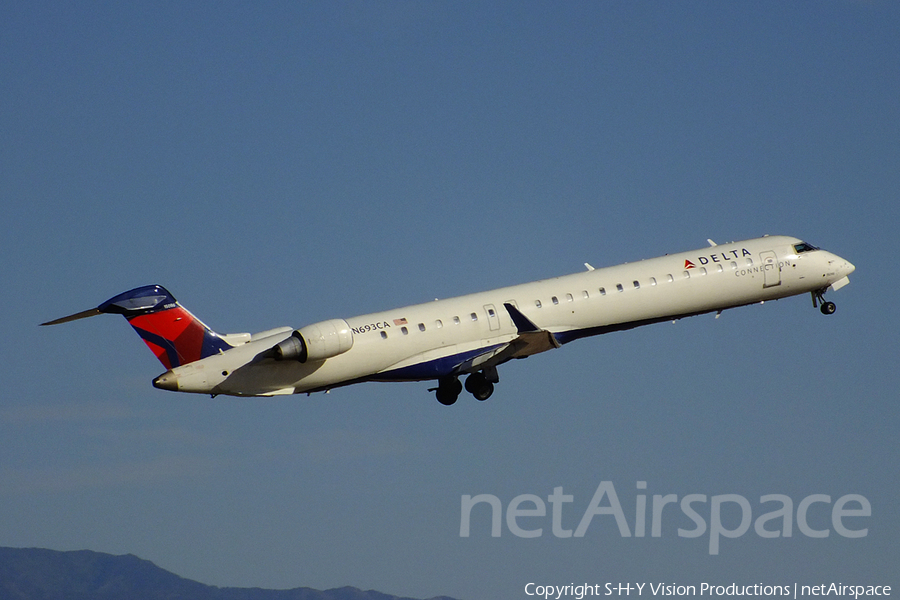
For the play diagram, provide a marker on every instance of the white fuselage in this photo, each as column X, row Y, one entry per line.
column 428, row 341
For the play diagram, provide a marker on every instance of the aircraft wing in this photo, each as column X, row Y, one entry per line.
column 531, row 340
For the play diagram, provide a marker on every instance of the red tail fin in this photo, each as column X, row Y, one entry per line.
column 171, row 332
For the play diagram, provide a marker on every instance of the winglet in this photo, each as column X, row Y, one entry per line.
column 532, row 339
column 523, row 324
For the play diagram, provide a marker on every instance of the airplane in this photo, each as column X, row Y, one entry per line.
column 471, row 335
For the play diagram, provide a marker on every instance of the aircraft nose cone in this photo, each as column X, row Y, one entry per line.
column 166, row 381
column 843, row 266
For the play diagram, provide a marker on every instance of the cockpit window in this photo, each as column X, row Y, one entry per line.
column 804, row 247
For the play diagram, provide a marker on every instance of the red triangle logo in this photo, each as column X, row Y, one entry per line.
column 688, row 264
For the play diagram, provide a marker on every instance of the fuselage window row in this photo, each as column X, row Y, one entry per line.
column 585, row 294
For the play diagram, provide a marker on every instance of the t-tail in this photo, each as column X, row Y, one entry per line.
column 171, row 332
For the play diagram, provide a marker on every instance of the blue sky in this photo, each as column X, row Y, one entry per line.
column 283, row 163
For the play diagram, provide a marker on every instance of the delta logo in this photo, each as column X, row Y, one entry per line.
column 717, row 258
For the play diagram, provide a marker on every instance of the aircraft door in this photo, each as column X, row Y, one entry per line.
column 772, row 274
column 493, row 318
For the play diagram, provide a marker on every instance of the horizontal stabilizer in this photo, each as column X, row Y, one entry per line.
column 82, row 315
column 134, row 303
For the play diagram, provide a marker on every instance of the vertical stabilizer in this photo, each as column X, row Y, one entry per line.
column 171, row 332
column 174, row 335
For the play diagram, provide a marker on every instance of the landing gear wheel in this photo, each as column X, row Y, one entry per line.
column 448, row 391
column 479, row 386
column 827, row 308
column 484, row 393
column 446, row 398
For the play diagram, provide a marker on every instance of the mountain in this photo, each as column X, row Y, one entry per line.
column 39, row 574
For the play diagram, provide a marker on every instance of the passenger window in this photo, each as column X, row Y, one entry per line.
column 404, row 330
column 637, row 285
column 720, row 268
column 687, row 274
column 569, row 297
column 602, row 291
column 733, row 266
column 555, row 300
column 491, row 312
column 619, row 287
column 653, row 281
column 474, row 316
column 537, row 303
column 670, row 278
column 421, row 326
column 703, row 270
column 584, row 294
column 438, row 324
column 456, row 320
column 384, row 335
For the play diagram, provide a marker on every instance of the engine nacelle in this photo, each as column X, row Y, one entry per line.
column 316, row 342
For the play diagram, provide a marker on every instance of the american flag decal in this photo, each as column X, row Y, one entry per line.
column 399, row 321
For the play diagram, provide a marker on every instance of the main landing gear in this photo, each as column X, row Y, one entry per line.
column 480, row 385
column 448, row 390
column 827, row 308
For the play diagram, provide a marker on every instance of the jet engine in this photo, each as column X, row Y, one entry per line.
column 316, row 342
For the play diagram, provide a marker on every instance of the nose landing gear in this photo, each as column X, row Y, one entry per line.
column 827, row 308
